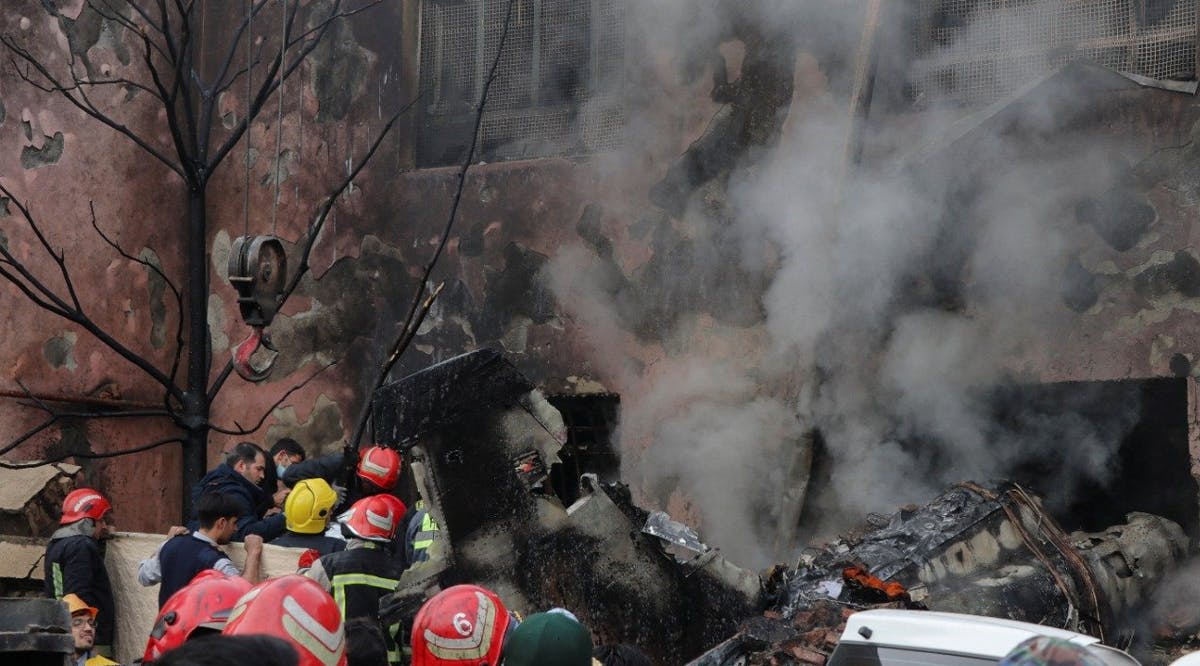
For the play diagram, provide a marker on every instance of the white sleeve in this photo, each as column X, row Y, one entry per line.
column 149, row 569
column 226, row 566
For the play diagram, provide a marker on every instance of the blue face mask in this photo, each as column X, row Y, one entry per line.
column 279, row 470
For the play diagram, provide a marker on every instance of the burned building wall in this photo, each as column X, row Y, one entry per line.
column 723, row 269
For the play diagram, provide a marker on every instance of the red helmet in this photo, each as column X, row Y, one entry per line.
column 83, row 503
column 298, row 610
column 203, row 603
column 380, row 466
column 397, row 505
column 374, row 517
column 461, row 624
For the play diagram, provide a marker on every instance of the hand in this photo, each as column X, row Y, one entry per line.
column 254, row 544
column 176, row 530
column 340, row 491
column 272, row 511
column 280, row 496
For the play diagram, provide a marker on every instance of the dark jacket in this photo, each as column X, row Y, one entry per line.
column 181, row 558
column 74, row 563
column 318, row 542
column 328, row 467
column 224, row 479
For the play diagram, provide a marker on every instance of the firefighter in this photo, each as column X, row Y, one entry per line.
column 297, row 610
column 198, row 608
column 464, row 624
column 420, row 531
column 74, row 561
column 367, row 569
column 307, row 510
column 378, row 470
column 83, row 630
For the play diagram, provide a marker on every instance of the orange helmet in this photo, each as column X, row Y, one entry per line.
column 380, row 466
column 298, row 610
column 203, row 603
column 373, row 518
column 464, row 624
column 83, row 503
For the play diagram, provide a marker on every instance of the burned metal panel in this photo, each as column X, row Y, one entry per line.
column 35, row 632
column 484, row 473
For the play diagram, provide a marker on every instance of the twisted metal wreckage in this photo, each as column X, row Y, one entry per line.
column 482, row 441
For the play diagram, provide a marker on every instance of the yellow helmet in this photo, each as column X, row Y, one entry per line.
column 308, row 506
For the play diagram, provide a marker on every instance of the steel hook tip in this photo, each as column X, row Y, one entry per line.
column 243, row 352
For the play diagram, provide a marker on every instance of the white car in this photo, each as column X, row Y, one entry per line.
column 927, row 638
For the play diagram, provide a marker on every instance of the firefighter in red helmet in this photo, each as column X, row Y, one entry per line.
column 368, row 568
column 464, row 624
column 377, row 471
column 202, row 606
column 74, row 561
column 297, row 610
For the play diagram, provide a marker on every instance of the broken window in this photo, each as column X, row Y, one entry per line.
column 975, row 51
column 557, row 86
column 590, row 421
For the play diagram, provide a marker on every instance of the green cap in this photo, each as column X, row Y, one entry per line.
column 549, row 639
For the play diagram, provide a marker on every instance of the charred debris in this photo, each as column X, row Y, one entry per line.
column 482, row 441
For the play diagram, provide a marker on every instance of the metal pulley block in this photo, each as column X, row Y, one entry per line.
column 258, row 271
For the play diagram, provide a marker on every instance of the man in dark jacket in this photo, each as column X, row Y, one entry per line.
column 238, row 477
column 74, row 562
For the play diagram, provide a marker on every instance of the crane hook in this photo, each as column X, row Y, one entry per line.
column 246, row 348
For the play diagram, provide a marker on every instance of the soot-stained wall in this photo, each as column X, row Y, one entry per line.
column 620, row 272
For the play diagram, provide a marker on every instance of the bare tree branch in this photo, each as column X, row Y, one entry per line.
column 278, row 73
column 240, row 430
column 59, row 307
column 179, row 343
column 80, row 101
column 421, row 305
column 92, row 456
column 55, row 416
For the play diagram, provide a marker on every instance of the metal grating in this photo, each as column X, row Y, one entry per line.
column 975, row 51
column 557, row 89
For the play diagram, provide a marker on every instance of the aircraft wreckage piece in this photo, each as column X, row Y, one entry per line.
column 975, row 550
column 480, row 442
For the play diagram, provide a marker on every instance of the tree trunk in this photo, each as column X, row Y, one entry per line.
column 196, row 406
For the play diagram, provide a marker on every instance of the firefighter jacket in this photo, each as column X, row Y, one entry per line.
column 419, row 535
column 358, row 577
column 74, row 563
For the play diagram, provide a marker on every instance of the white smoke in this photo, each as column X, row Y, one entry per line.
column 853, row 335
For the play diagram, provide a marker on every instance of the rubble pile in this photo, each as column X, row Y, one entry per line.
column 974, row 549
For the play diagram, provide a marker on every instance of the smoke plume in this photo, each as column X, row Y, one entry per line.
column 767, row 285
